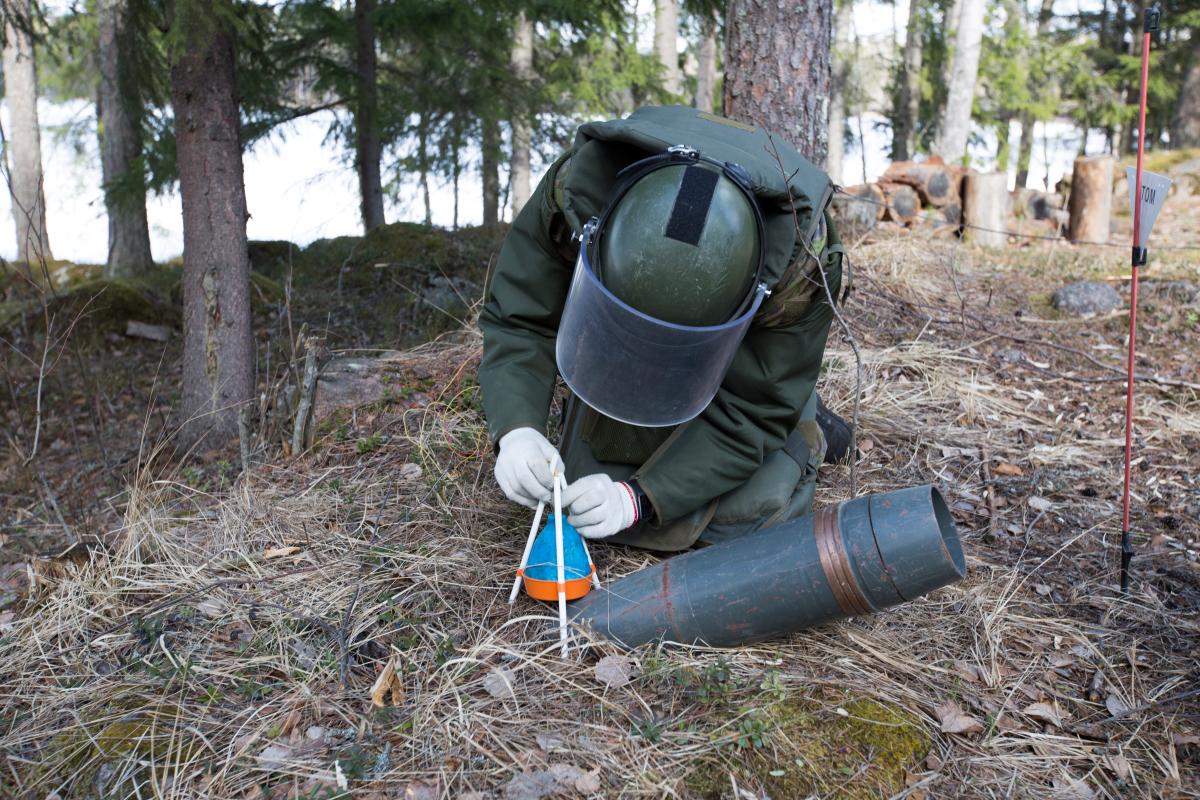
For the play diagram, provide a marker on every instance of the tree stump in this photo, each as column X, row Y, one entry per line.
column 985, row 208
column 903, row 202
column 858, row 210
column 1091, row 198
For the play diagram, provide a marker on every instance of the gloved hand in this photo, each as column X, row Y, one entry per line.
column 526, row 465
column 598, row 506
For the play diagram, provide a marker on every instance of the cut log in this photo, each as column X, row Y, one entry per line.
column 858, row 210
column 937, row 184
column 1032, row 204
column 985, row 208
column 903, row 202
column 1091, row 198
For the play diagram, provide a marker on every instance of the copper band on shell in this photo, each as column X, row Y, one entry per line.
column 836, row 563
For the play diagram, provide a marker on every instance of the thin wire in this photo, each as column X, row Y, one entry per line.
column 941, row 224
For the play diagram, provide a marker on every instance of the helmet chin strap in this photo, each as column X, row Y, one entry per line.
column 678, row 155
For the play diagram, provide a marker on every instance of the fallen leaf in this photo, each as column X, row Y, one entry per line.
column 386, row 683
column 410, row 472
column 1061, row 660
column 565, row 775
column 315, row 733
column 421, row 790
column 968, row 671
column 614, row 671
column 1185, row 739
column 273, row 756
column 548, row 743
column 279, row 552
column 530, row 786
column 588, row 782
column 955, row 720
column 1044, row 712
column 1119, row 765
column 866, row 446
column 7, row 622
column 1004, row 468
column 1116, row 706
column 210, row 607
column 1042, row 589
column 1073, row 789
column 1040, row 504
column 933, row 762
column 499, row 683
column 1008, row 724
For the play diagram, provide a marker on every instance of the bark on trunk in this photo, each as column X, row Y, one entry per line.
column 1091, row 198
column 423, row 164
column 368, row 149
column 218, row 351
column 985, row 206
column 522, row 67
column 777, row 69
column 490, row 168
column 1185, row 129
column 908, row 107
column 1025, row 146
column 842, row 21
column 24, row 136
column 956, row 115
column 706, row 66
column 666, row 32
column 119, row 111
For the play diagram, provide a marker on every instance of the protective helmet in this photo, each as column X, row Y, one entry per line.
column 667, row 281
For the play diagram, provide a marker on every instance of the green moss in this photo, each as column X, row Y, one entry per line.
column 122, row 734
column 807, row 750
column 98, row 305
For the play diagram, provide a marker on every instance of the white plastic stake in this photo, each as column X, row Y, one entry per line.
column 533, row 531
column 562, row 572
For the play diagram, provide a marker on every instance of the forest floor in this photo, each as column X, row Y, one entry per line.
column 334, row 623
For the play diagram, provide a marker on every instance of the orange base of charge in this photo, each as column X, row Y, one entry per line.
column 575, row 588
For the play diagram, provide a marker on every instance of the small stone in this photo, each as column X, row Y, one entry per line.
column 1086, row 297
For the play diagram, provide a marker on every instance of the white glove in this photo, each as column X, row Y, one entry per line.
column 526, row 467
column 598, row 506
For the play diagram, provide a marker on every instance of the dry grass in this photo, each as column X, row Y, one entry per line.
column 226, row 646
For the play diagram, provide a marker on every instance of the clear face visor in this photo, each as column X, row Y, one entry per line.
column 633, row 367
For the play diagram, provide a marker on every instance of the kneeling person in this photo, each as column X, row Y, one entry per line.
column 675, row 268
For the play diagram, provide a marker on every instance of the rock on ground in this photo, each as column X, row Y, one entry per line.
column 1086, row 297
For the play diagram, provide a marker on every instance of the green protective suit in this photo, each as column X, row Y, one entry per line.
column 750, row 458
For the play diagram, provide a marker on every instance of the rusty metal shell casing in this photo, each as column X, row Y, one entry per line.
column 854, row 558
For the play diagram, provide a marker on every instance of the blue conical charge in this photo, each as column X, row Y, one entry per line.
column 543, row 558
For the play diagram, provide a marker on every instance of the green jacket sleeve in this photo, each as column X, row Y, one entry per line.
column 520, row 319
column 756, row 408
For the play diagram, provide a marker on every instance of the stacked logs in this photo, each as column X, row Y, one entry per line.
column 958, row 201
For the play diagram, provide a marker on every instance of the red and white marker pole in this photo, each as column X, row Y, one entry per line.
column 1150, row 20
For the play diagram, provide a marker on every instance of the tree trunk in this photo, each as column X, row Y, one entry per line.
column 522, row 67
column 956, row 116
column 490, row 169
column 666, row 31
column 24, row 136
column 1185, row 128
column 706, row 67
column 908, row 107
column 1091, row 198
column 368, row 149
column 218, row 350
column 777, row 69
column 858, row 209
column 985, row 207
column 423, row 163
column 843, row 20
column 119, row 111
column 949, row 27
column 1025, row 143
